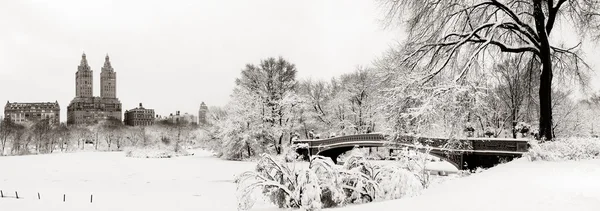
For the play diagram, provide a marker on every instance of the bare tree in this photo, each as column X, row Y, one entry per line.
column 81, row 134
column 42, row 131
column 6, row 130
column 19, row 133
column 514, row 76
column 136, row 134
column 359, row 87
column 317, row 94
column 456, row 34
column 565, row 109
column 61, row 136
column 112, row 130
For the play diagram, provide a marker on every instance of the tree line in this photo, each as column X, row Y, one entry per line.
column 270, row 107
column 41, row 137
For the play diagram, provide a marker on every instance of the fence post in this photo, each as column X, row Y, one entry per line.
column 17, row 194
column 1, row 194
column 64, row 197
column 38, row 195
column 91, row 198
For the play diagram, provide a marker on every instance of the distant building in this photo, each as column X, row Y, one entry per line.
column 32, row 112
column 178, row 118
column 139, row 116
column 87, row 109
column 202, row 119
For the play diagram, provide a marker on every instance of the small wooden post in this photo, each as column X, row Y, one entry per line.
column 91, row 198
column 38, row 195
column 1, row 194
column 17, row 194
column 64, row 197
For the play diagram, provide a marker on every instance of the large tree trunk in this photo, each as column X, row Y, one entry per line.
column 4, row 144
column 248, row 149
column 546, row 76
column 546, row 101
column 305, row 130
column 514, row 121
column 109, row 142
column 52, row 145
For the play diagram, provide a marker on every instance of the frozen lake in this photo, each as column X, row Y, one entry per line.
column 199, row 182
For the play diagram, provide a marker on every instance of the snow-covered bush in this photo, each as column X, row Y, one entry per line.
column 155, row 151
column 489, row 131
column 395, row 182
column 534, row 131
column 366, row 182
column 277, row 182
column 523, row 128
column 332, row 191
column 309, row 190
column 291, row 153
column 416, row 162
column 565, row 149
column 465, row 173
column 359, row 180
column 324, row 184
column 147, row 153
column 469, row 129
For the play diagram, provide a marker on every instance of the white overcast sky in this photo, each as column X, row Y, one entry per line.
column 172, row 55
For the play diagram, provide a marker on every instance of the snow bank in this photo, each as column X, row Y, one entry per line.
column 518, row 185
column 565, row 149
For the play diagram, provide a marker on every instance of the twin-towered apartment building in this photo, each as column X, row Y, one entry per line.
column 86, row 108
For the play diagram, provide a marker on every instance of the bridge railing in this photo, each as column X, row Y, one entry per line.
column 483, row 144
column 340, row 139
column 489, row 144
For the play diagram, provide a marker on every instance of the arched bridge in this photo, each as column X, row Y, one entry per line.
column 467, row 153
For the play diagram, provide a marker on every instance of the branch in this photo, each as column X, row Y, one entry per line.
column 512, row 15
column 472, row 37
column 552, row 14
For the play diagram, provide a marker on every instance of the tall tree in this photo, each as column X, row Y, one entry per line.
column 61, row 135
column 359, row 88
column 272, row 80
column 112, row 130
column 317, row 95
column 240, row 130
column 7, row 129
column 514, row 78
column 41, row 131
column 454, row 34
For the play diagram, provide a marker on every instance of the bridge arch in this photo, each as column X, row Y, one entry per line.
column 333, row 151
column 452, row 158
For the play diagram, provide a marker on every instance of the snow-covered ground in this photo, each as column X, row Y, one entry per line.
column 199, row 182
column 518, row 185
column 202, row 182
